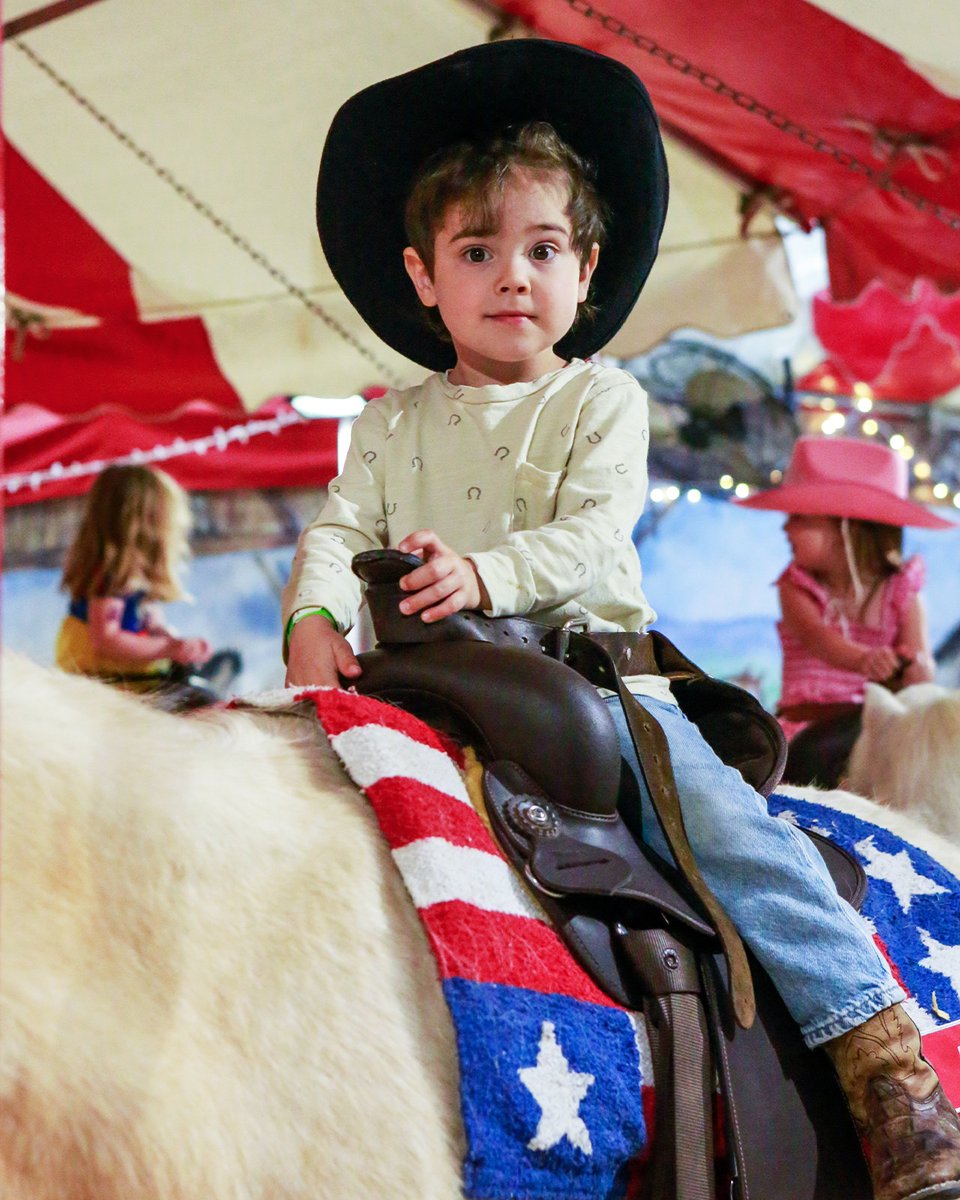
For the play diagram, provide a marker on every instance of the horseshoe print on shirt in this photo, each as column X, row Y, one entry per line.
column 491, row 466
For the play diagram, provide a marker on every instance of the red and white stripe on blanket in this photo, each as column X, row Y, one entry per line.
column 553, row 1073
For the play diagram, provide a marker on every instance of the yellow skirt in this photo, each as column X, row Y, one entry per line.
column 75, row 653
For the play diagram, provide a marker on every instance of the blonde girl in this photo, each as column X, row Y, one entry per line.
column 125, row 560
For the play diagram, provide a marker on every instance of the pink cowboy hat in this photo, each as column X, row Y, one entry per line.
column 846, row 477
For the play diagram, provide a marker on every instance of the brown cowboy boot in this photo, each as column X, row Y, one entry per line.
column 910, row 1128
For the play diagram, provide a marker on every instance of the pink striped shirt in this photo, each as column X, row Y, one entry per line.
column 807, row 679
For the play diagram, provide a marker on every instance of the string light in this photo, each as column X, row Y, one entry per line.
column 834, row 423
column 830, row 414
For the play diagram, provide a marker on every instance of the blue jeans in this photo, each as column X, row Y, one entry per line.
column 770, row 879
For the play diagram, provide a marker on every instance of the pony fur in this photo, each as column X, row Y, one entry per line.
column 213, row 985
column 908, row 754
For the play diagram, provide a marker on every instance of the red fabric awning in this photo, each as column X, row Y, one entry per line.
column 202, row 447
column 87, row 346
column 903, row 347
column 88, row 382
column 828, row 121
column 164, row 275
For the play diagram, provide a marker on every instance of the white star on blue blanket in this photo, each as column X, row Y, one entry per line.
column 945, row 960
column 897, row 870
column 558, row 1091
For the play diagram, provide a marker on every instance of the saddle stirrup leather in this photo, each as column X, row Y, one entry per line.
column 653, row 755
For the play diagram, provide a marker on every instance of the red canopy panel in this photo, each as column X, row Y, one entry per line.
column 853, row 94
column 81, row 344
column 46, row 456
column 76, row 268
column 88, row 383
column 904, row 347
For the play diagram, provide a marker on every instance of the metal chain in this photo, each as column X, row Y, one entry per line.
column 208, row 214
column 777, row 119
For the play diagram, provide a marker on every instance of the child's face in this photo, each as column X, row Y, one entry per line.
column 507, row 296
column 816, row 543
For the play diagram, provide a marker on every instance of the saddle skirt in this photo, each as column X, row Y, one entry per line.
column 554, row 1076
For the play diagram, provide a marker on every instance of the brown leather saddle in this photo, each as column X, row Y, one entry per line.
column 552, row 781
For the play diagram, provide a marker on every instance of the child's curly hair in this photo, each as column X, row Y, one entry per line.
column 134, row 532
column 473, row 176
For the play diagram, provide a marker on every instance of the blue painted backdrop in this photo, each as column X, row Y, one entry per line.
column 708, row 571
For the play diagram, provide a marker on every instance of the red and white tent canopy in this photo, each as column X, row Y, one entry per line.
column 164, row 278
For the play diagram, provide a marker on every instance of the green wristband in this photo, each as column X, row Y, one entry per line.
column 307, row 612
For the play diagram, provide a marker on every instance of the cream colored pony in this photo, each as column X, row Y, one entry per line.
column 908, row 754
column 213, row 985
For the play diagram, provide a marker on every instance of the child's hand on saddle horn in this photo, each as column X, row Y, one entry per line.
column 445, row 584
column 879, row 663
column 318, row 655
column 916, row 666
column 190, row 650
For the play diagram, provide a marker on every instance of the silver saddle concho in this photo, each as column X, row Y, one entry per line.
column 552, row 787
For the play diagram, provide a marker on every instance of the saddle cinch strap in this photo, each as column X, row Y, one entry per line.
column 551, row 783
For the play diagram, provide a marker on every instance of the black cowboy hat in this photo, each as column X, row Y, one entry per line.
column 381, row 136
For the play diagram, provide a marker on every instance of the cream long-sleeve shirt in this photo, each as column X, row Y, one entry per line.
column 539, row 483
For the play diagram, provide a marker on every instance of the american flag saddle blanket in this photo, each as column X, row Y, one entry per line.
column 553, row 1074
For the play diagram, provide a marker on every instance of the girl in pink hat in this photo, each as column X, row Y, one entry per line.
column 851, row 609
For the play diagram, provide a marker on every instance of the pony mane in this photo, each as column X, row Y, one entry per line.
column 908, row 754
